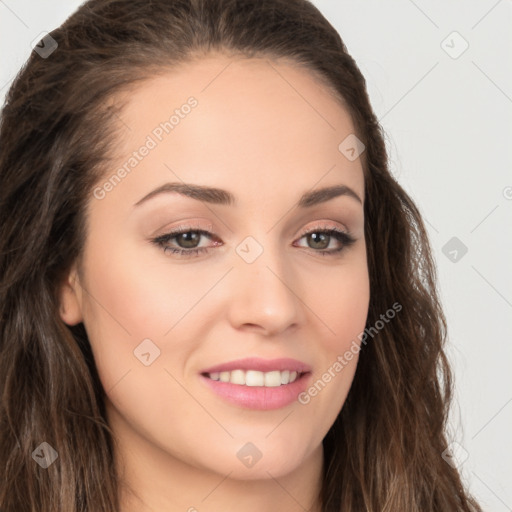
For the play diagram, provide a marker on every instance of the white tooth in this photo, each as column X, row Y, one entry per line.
column 273, row 379
column 225, row 376
column 254, row 378
column 237, row 377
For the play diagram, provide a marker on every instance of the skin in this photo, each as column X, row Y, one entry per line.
column 267, row 132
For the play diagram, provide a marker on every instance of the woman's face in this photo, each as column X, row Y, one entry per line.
column 260, row 295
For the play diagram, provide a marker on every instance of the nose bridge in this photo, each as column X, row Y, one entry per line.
column 261, row 258
column 264, row 292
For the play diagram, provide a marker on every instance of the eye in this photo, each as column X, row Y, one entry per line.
column 320, row 239
column 186, row 238
column 185, row 241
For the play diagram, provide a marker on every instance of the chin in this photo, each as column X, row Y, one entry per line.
column 263, row 470
column 260, row 459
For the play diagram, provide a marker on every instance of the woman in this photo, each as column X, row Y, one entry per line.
column 214, row 294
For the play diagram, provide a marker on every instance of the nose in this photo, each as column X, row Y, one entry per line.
column 265, row 295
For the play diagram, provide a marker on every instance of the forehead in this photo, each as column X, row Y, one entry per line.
column 255, row 124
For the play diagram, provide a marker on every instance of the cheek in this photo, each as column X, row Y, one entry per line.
column 341, row 304
column 135, row 293
column 138, row 302
column 340, row 300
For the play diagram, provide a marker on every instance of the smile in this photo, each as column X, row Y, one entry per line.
column 270, row 379
column 258, row 384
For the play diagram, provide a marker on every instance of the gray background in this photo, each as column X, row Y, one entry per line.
column 447, row 114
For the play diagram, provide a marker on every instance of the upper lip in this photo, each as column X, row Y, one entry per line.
column 262, row 365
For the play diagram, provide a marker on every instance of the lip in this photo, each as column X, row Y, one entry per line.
column 259, row 398
column 261, row 365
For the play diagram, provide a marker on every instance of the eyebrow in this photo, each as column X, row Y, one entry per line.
column 223, row 197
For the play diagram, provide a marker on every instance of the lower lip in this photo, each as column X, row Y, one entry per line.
column 258, row 397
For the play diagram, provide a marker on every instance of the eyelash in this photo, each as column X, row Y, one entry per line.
column 161, row 241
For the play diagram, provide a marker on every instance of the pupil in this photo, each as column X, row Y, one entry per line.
column 319, row 238
column 190, row 239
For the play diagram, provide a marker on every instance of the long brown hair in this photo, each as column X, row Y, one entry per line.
column 384, row 451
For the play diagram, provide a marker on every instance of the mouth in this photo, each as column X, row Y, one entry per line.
column 258, row 384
